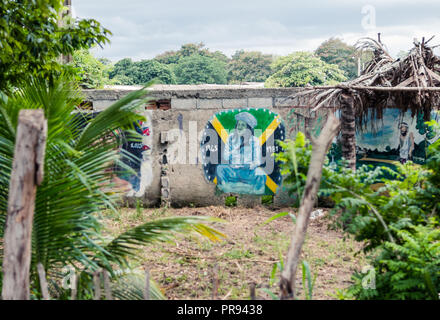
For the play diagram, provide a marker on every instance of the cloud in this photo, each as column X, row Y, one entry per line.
column 142, row 29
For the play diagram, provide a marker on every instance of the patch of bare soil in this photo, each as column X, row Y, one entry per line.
column 184, row 268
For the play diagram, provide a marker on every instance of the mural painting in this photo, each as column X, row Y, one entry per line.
column 141, row 162
column 299, row 120
column 237, row 151
column 395, row 138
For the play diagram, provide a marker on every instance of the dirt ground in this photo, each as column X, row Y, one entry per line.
column 184, row 268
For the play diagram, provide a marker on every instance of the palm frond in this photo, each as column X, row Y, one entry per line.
column 119, row 115
column 126, row 244
column 131, row 285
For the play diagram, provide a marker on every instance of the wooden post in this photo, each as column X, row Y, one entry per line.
column 107, row 287
column 319, row 152
column 65, row 59
column 215, row 282
column 43, row 281
column 27, row 173
column 147, row 285
column 252, row 290
column 97, row 285
column 74, row 289
column 348, row 129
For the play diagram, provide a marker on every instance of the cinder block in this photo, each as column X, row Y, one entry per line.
column 282, row 198
column 283, row 102
column 183, row 104
column 165, row 182
column 209, row 104
column 248, row 201
column 165, row 193
column 235, row 103
column 100, row 105
column 163, row 137
column 260, row 102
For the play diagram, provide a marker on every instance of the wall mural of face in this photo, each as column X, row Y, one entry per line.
column 241, row 126
column 403, row 129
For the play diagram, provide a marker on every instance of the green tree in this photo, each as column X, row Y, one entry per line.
column 92, row 72
column 335, row 51
column 303, row 68
column 249, row 66
column 121, row 67
column 67, row 226
column 189, row 49
column 31, row 39
column 197, row 69
column 128, row 72
column 168, row 57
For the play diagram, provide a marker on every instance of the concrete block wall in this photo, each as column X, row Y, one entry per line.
column 184, row 183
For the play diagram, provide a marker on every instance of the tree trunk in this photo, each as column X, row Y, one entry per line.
column 319, row 152
column 348, row 130
column 27, row 173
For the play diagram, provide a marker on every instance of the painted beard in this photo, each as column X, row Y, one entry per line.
column 404, row 133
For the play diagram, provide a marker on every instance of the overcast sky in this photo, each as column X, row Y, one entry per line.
column 144, row 28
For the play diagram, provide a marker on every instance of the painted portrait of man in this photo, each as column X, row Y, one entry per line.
column 406, row 143
column 242, row 157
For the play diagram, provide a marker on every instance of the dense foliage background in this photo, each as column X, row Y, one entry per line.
column 333, row 61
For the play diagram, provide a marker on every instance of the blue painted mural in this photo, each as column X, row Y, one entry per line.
column 395, row 138
column 237, row 151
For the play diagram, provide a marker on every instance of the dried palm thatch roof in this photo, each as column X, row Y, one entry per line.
column 411, row 82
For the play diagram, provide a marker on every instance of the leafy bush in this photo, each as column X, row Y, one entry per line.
column 410, row 270
column 127, row 72
column 368, row 211
column 397, row 218
column 197, row 69
column 303, row 68
column 67, row 228
column 294, row 163
column 92, row 73
column 32, row 39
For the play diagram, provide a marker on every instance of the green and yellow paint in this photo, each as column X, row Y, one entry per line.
column 268, row 130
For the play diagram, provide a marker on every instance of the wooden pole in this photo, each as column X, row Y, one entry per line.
column 107, row 287
column 372, row 88
column 215, row 282
column 27, row 173
column 348, row 129
column 319, row 152
column 252, row 292
column 74, row 289
column 43, row 281
column 65, row 59
column 97, row 285
column 147, row 285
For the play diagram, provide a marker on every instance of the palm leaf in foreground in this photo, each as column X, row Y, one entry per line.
column 125, row 245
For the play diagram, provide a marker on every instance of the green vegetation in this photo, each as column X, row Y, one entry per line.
column 405, row 270
column 92, row 73
column 127, row 72
column 31, row 40
column 335, row 51
column 68, row 229
column 294, row 163
column 193, row 63
column 398, row 222
column 303, row 68
column 198, row 69
column 250, row 66
column 231, row 201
